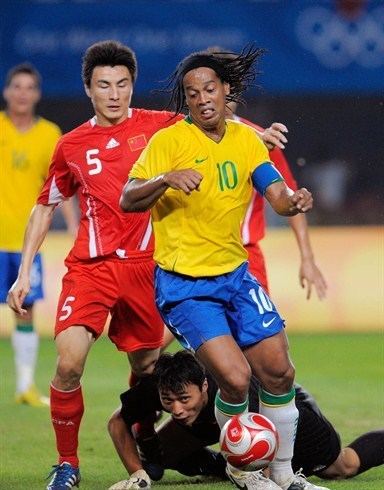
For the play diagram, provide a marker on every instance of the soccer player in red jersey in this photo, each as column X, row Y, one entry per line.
column 110, row 267
column 253, row 229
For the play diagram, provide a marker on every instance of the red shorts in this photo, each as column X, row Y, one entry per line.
column 122, row 287
column 257, row 264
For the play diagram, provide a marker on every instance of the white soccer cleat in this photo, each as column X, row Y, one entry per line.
column 137, row 481
column 301, row 483
column 250, row 480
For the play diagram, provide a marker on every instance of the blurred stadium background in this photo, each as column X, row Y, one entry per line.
column 323, row 76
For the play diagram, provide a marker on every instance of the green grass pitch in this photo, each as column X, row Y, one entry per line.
column 345, row 373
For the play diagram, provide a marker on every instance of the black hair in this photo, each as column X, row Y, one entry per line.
column 26, row 68
column 237, row 69
column 173, row 372
column 108, row 53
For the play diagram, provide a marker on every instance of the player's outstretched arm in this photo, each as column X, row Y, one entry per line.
column 286, row 202
column 127, row 450
column 310, row 276
column 124, row 443
column 37, row 228
column 141, row 194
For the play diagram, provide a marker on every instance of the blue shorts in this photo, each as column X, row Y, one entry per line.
column 200, row 309
column 9, row 267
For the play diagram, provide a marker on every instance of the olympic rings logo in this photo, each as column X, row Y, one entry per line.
column 338, row 42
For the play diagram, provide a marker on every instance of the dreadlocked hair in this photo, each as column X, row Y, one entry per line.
column 238, row 70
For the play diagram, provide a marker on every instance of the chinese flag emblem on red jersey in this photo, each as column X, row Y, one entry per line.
column 137, row 142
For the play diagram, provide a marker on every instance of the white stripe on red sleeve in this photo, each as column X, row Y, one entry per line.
column 55, row 196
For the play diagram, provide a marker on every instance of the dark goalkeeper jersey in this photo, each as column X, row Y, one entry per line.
column 317, row 443
column 143, row 399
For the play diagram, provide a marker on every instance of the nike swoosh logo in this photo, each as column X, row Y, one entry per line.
column 201, row 160
column 266, row 324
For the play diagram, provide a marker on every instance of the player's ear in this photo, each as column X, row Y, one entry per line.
column 37, row 96
column 204, row 387
column 226, row 88
column 87, row 91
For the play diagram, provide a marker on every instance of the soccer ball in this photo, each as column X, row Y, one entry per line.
column 249, row 441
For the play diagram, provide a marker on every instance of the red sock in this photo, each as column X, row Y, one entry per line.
column 67, row 409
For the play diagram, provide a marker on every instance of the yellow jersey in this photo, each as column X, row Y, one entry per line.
column 199, row 235
column 24, row 162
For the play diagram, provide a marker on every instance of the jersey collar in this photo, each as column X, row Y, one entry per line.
column 93, row 120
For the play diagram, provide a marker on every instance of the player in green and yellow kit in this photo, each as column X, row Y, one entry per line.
column 197, row 176
column 26, row 146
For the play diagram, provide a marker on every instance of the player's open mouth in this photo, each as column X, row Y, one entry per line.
column 207, row 113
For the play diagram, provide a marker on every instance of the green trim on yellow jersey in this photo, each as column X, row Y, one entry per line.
column 199, row 234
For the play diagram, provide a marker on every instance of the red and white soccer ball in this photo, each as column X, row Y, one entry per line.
column 249, row 441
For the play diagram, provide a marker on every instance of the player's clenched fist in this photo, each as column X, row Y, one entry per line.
column 187, row 180
column 301, row 200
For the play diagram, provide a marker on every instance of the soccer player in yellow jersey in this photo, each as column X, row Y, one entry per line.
column 197, row 178
column 26, row 146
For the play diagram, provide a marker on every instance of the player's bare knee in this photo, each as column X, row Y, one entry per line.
column 285, row 380
column 349, row 463
column 289, row 377
column 144, row 367
column 346, row 465
column 145, row 370
column 67, row 376
column 281, row 380
column 236, row 383
column 143, row 361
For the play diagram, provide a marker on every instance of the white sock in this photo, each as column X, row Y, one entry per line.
column 25, row 345
column 224, row 411
column 282, row 411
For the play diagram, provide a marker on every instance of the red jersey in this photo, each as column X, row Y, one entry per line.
column 253, row 228
column 94, row 162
